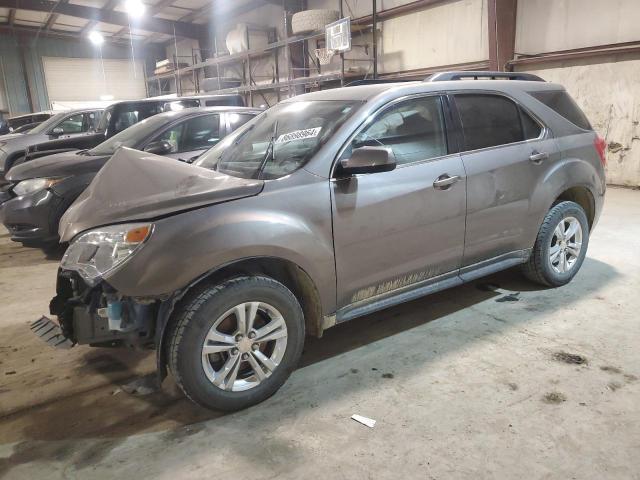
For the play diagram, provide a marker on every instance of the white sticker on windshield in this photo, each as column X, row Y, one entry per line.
column 299, row 135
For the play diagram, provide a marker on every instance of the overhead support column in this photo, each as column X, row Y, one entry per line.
column 502, row 32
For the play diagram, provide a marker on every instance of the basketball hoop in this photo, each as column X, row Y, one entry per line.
column 324, row 55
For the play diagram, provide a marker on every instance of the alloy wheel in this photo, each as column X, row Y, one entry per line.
column 566, row 244
column 244, row 346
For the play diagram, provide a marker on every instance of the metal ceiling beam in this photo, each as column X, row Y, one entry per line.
column 148, row 23
column 234, row 12
column 33, row 31
column 110, row 5
column 157, row 8
column 53, row 17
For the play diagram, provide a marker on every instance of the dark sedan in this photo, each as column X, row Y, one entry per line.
column 41, row 190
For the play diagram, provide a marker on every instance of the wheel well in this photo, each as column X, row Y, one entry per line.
column 289, row 274
column 583, row 197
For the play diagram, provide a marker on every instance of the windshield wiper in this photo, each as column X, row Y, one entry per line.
column 271, row 151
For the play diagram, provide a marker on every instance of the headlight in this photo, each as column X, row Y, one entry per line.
column 98, row 252
column 34, row 185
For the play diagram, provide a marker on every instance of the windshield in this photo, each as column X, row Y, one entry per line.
column 48, row 124
column 133, row 135
column 279, row 141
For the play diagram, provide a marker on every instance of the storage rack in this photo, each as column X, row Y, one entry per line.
column 304, row 77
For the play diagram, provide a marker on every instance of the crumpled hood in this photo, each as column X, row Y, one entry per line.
column 57, row 165
column 135, row 185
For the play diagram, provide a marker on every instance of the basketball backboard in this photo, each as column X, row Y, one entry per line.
column 338, row 35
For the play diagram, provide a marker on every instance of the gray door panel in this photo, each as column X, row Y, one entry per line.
column 395, row 228
column 500, row 185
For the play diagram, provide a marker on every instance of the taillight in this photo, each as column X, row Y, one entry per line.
column 601, row 147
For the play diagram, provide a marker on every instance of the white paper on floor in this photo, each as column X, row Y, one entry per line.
column 364, row 420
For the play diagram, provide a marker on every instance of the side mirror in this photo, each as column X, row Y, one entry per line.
column 160, row 147
column 368, row 160
column 57, row 131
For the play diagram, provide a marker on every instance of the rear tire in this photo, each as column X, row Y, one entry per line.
column 215, row 356
column 560, row 247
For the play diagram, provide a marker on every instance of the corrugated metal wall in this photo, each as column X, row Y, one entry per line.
column 51, row 47
column 16, row 90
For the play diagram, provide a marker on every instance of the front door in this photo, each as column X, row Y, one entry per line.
column 395, row 229
column 506, row 155
column 74, row 125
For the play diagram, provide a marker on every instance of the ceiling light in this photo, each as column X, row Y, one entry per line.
column 96, row 38
column 135, row 8
column 106, row 98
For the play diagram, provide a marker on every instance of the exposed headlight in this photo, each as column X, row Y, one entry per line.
column 98, row 252
column 34, row 185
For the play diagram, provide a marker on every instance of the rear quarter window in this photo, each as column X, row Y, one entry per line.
column 562, row 103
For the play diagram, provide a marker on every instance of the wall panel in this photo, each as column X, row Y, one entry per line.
column 609, row 93
column 551, row 25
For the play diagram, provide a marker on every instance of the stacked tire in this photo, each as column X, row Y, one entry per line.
column 312, row 20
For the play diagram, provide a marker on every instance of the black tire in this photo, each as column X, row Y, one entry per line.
column 538, row 268
column 195, row 317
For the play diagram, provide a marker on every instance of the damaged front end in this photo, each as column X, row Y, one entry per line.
column 89, row 310
column 99, row 316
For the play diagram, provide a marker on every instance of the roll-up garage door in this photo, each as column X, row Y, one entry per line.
column 83, row 79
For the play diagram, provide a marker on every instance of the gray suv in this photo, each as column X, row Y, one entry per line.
column 327, row 207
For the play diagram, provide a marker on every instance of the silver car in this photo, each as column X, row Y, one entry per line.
column 67, row 124
column 324, row 208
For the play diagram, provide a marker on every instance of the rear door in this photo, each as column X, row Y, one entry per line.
column 393, row 230
column 506, row 154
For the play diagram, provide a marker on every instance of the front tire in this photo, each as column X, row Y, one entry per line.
column 560, row 247
column 236, row 343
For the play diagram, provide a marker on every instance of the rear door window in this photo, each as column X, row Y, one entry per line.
column 493, row 120
column 562, row 103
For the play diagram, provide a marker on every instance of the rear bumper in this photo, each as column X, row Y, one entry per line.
column 30, row 218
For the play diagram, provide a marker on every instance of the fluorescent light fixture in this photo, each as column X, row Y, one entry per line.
column 106, row 98
column 135, row 8
column 96, row 38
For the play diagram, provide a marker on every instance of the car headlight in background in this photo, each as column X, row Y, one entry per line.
column 34, row 185
column 98, row 252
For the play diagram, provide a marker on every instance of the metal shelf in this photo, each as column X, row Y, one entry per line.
column 307, row 64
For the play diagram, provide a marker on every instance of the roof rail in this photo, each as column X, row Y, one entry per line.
column 481, row 75
column 371, row 81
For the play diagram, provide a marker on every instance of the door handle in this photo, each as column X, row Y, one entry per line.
column 537, row 157
column 445, row 181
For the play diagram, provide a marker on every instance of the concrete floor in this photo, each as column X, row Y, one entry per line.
column 463, row 384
